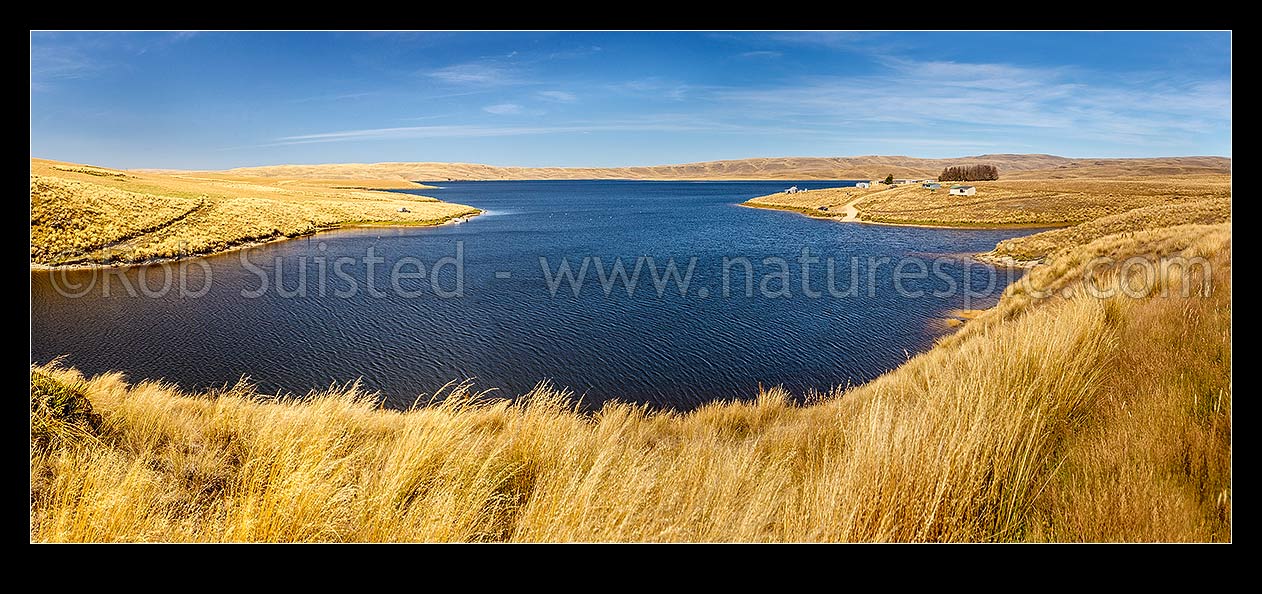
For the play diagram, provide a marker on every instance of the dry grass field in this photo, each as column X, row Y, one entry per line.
column 91, row 215
column 1005, row 203
column 1051, row 417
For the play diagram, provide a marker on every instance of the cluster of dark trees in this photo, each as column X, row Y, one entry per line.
column 969, row 173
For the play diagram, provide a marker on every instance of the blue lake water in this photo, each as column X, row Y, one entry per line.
column 493, row 307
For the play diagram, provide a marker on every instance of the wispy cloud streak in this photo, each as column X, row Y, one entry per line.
column 994, row 96
column 653, row 124
column 474, row 73
column 558, row 96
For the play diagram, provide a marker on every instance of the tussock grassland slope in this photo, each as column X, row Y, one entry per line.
column 1004, row 202
column 865, row 167
column 1041, row 245
column 88, row 215
column 1060, row 416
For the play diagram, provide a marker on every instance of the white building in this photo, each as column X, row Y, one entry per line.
column 863, row 184
column 963, row 190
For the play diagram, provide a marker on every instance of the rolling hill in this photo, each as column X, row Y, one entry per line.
column 1011, row 166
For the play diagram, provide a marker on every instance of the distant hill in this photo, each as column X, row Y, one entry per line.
column 1010, row 166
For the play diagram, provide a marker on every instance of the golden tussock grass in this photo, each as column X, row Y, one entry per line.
column 1063, row 417
column 1041, row 245
column 1006, row 203
column 91, row 215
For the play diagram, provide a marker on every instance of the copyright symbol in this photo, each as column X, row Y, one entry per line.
column 73, row 283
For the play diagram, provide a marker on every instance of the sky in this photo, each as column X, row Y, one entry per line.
column 211, row 100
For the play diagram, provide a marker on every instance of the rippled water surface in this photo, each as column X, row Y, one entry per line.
column 508, row 330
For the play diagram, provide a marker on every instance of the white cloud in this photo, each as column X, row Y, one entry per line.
column 473, row 73
column 57, row 56
column 503, row 109
column 761, row 54
column 51, row 62
column 653, row 87
column 558, row 96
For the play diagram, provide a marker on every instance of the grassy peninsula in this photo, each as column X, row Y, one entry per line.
column 86, row 215
column 1012, row 203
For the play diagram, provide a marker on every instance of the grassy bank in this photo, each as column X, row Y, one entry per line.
column 1063, row 417
column 1043, row 245
column 84, row 215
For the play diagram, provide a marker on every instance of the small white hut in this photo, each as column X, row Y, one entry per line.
column 963, row 190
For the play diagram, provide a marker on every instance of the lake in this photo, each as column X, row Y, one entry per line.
column 494, row 302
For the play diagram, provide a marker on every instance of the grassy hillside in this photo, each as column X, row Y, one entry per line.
column 865, row 167
column 91, row 215
column 1004, row 202
column 1063, row 417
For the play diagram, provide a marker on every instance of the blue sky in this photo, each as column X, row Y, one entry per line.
column 227, row 99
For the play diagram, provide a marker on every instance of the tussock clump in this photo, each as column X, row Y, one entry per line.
column 61, row 413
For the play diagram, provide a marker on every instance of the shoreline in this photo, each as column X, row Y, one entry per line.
column 965, row 227
column 984, row 257
column 1007, row 261
column 246, row 244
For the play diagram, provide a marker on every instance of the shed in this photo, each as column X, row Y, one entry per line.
column 963, row 190
column 931, row 185
column 863, row 184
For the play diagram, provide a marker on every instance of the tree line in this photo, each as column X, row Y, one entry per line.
column 969, row 173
